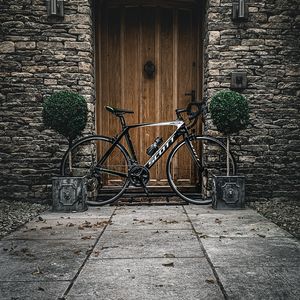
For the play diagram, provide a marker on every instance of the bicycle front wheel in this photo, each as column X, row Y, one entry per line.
column 107, row 178
column 192, row 180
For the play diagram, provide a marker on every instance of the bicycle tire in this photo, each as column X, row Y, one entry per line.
column 103, row 187
column 187, row 180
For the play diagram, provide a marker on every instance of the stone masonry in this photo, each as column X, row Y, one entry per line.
column 267, row 47
column 40, row 55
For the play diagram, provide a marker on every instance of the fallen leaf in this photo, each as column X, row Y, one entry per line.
column 87, row 237
column 203, row 236
column 86, row 224
column 210, row 280
column 77, row 252
column 46, row 228
column 107, row 247
column 169, row 264
column 218, row 221
column 261, row 235
column 70, row 225
column 169, row 221
column 101, row 224
column 96, row 253
column 169, row 255
column 31, row 229
column 37, row 271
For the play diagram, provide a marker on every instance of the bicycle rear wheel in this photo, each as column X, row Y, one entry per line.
column 192, row 183
column 107, row 181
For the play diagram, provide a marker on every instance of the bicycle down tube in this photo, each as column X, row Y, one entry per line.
column 157, row 155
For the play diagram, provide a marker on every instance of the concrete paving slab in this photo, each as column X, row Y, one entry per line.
column 267, row 283
column 148, row 243
column 228, row 252
column 39, row 261
column 195, row 210
column 146, row 279
column 159, row 210
column 236, row 224
column 46, row 290
column 61, row 228
column 155, row 217
column 91, row 213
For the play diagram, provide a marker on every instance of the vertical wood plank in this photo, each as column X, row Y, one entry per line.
column 148, row 107
column 132, row 73
column 167, row 80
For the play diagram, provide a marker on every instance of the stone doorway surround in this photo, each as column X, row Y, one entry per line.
column 40, row 55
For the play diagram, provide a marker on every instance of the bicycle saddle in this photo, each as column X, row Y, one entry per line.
column 118, row 111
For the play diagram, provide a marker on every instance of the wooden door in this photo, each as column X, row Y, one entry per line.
column 131, row 35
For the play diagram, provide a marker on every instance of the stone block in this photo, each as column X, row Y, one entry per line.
column 7, row 47
column 26, row 45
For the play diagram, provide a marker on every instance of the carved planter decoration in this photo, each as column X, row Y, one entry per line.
column 69, row 194
column 228, row 192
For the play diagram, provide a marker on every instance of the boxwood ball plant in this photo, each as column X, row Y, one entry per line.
column 66, row 113
column 229, row 111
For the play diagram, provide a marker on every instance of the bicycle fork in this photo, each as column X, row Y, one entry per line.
column 194, row 154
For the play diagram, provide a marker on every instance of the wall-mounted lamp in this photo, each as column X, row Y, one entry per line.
column 55, row 7
column 239, row 11
column 239, row 81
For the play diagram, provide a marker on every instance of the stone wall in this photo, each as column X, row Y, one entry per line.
column 267, row 47
column 39, row 55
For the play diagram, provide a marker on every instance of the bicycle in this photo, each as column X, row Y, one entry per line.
column 110, row 169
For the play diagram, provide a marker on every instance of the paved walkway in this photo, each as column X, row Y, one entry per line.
column 150, row 252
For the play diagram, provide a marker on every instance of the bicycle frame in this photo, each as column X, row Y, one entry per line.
column 181, row 130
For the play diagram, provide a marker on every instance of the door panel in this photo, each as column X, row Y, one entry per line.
column 129, row 36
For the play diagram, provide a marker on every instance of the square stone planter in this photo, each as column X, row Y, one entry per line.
column 69, row 194
column 228, row 192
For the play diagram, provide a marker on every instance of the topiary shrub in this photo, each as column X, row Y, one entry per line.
column 66, row 113
column 229, row 111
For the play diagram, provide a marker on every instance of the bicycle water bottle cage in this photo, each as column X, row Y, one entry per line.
column 118, row 111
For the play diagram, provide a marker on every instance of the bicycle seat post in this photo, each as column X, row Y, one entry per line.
column 122, row 121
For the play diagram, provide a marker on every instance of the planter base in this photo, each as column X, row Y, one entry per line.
column 228, row 192
column 69, row 194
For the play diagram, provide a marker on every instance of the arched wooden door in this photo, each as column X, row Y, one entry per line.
column 130, row 34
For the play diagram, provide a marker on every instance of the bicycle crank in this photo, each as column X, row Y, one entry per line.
column 139, row 176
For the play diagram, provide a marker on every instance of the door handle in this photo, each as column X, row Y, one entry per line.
column 149, row 68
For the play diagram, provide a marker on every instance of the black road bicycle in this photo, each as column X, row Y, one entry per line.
column 110, row 168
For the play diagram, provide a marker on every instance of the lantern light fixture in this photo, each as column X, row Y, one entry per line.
column 239, row 11
column 55, row 8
